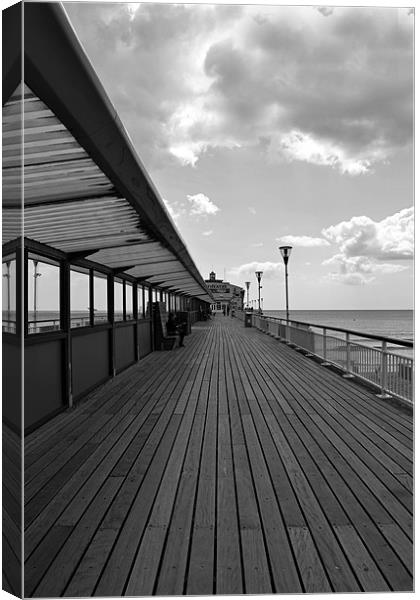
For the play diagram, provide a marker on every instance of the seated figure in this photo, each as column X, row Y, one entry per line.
column 175, row 329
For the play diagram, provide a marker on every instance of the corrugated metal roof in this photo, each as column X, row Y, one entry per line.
column 56, row 167
column 86, row 191
column 70, row 204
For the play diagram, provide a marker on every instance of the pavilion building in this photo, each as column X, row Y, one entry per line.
column 227, row 296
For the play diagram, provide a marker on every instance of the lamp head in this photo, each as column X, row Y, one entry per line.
column 285, row 251
column 259, row 275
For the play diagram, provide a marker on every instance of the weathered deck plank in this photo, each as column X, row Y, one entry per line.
column 233, row 465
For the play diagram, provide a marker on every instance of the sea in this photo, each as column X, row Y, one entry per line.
column 397, row 324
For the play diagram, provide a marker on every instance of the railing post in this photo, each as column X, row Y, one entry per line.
column 348, row 367
column 384, row 371
column 324, row 343
column 348, row 374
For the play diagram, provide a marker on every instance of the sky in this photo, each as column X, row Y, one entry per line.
column 264, row 126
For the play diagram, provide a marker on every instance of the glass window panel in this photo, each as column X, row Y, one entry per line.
column 100, row 298
column 79, row 298
column 129, row 301
column 9, row 294
column 140, row 302
column 118, row 300
column 43, row 295
column 147, row 294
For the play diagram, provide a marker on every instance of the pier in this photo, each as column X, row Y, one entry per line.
column 233, row 465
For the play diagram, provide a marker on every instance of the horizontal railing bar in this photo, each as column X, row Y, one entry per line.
column 372, row 336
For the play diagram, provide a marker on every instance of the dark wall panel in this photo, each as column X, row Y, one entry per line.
column 12, row 379
column 90, row 361
column 144, row 338
column 124, row 346
column 43, row 391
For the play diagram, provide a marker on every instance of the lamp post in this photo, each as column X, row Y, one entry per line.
column 247, row 283
column 285, row 252
column 259, row 275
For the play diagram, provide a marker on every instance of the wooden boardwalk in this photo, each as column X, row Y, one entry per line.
column 233, row 465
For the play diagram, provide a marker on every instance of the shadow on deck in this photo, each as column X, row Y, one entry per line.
column 232, row 465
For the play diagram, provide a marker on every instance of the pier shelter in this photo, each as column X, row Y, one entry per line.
column 88, row 245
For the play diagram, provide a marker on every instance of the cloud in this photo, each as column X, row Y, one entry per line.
column 326, row 11
column 201, row 205
column 389, row 239
column 304, row 241
column 186, row 79
column 359, row 270
column 297, row 145
column 207, row 233
column 270, row 269
column 365, row 244
column 252, row 210
column 257, row 245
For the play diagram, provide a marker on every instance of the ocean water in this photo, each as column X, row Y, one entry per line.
column 397, row 324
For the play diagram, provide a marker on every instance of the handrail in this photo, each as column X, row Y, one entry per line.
column 372, row 336
column 388, row 371
column 44, row 321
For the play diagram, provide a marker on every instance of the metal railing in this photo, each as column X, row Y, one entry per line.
column 384, row 364
column 9, row 325
column 41, row 325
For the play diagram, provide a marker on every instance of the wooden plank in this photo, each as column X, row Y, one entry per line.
column 229, row 579
column 341, row 576
column 283, row 568
column 86, row 575
column 200, row 577
column 114, row 577
column 367, row 572
column 171, row 577
column 145, row 568
column 257, row 576
column 12, row 570
column 54, row 580
column 130, row 514
column 310, row 566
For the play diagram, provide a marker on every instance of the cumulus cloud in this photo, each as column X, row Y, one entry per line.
column 201, row 205
column 358, row 270
column 270, row 269
column 389, row 239
column 185, row 79
column 364, row 245
column 207, row 233
column 304, row 241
